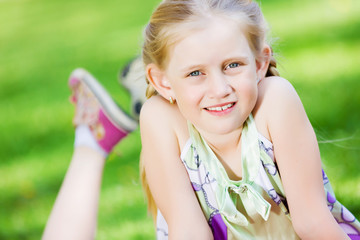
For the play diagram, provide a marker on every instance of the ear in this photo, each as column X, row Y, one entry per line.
column 262, row 63
column 158, row 79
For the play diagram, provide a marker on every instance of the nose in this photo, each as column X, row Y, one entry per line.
column 218, row 85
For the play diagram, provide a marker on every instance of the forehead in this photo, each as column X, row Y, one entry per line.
column 213, row 39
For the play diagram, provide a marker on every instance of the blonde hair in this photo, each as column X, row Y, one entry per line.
column 173, row 19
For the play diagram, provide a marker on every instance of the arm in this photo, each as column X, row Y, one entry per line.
column 167, row 178
column 298, row 158
column 74, row 215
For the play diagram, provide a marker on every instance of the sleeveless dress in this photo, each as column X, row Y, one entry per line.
column 254, row 207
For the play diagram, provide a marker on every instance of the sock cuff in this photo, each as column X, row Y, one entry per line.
column 84, row 137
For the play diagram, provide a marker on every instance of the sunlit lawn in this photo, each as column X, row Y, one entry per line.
column 317, row 45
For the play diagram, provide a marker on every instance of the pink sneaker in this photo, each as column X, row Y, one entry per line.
column 95, row 108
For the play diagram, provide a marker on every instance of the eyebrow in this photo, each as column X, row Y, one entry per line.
column 237, row 58
column 228, row 60
column 192, row 67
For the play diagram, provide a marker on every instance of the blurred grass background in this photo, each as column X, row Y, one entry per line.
column 318, row 48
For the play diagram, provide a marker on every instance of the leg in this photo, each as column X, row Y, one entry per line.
column 100, row 125
column 74, row 215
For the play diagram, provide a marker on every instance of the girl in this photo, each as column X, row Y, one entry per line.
column 249, row 164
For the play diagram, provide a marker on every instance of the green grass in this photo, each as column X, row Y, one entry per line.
column 42, row 41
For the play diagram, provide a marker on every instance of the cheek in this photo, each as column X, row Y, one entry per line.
column 188, row 94
column 189, row 101
column 248, row 90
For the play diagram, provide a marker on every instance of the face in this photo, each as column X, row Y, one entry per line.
column 213, row 77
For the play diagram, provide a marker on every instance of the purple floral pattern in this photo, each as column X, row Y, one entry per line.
column 204, row 184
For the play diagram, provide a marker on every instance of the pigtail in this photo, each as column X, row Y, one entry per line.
column 152, row 208
column 272, row 70
column 150, row 90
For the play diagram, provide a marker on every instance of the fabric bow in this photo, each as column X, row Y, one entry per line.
column 228, row 191
column 253, row 203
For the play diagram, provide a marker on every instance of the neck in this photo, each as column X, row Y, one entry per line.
column 227, row 148
column 224, row 144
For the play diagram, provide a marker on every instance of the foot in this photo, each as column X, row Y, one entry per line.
column 96, row 109
column 132, row 77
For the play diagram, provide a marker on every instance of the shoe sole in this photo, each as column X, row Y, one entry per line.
column 114, row 113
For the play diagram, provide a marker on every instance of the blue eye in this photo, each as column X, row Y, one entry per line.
column 233, row 65
column 195, row 73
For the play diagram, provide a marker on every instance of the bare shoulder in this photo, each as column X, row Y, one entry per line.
column 277, row 102
column 155, row 111
column 163, row 118
column 276, row 92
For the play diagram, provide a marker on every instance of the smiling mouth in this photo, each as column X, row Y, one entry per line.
column 220, row 109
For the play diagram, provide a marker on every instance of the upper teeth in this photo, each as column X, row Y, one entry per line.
column 220, row 108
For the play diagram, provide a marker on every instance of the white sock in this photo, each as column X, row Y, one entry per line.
column 84, row 137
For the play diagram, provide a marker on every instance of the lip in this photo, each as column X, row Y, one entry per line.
column 220, row 109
